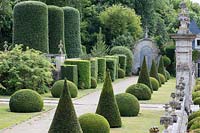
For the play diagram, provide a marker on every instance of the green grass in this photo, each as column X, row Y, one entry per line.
column 8, row 118
column 141, row 124
column 163, row 94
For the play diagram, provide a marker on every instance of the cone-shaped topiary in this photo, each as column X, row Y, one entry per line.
column 144, row 75
column 161, row 68
column 107, row 105
column 154, row 72
column 65, row 119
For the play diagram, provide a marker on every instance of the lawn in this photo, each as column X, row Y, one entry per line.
column 162, row 96
column 140, row 124
column 8, row 118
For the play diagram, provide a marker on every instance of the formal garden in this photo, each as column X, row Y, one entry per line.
column 86, row 66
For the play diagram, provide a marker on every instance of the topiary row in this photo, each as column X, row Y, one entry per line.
column 111, row 66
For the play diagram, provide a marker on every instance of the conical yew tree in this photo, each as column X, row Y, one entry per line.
column 65, row 119
column 161, row 68
column 107, row 105
column 154, row 72
column 144, row 75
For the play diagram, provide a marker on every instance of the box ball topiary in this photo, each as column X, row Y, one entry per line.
column 195, row 125
column 166, row 61
column 154, row 83
column 197, row 101
column 26, row 101
column 128, row 104
column 162, row 78
column 190, row 123
column 197, row 88
column 93, row 83
column 194, row 115
column 121, row 73
column 94, row 123
column 167, row 74
column 195, row 94
column 57, row 88
column 141, row 91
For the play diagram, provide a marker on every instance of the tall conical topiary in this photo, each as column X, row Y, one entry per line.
column 161, row 68
column 107, row 105
column 144, row 75
column 65, row 119
column 154, row 72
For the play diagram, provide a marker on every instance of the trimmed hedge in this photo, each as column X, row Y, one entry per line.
column 72, row 32
column 84, row 72
column 154, row 72
column 30, row 25
column 141, row 91
column 195, row 95
column 154, row 83
column 26, row 101
column 56, row 28
column 190, row 123
column 121, row 73
column 57, row 89
column 167, row 74
column 94, row 68
column 93, row 83
column 65, row 119
column 122, row 61
column 197, row 101
column 101, row 69
column 161, row 68
column 94, row 123
column 116, row 58
column 162, row 78
column 194, row 115
column 111, row 65
column 107, row 105
column 128, row 104
column 70, row 72
column 126, row 51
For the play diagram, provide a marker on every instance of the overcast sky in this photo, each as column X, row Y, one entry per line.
column 198, row 1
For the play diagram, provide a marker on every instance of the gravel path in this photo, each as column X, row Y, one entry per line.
column 86, row 104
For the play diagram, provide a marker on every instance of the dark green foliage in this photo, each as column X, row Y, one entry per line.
column 111, row 66
column 154, row 83
column 56, row 28
column 101, row 69
column 31, row 25
column 197, row 101
column 166, row 61
column 161, row 68
column 84, row 72
column 124, row 40
column 162, row 78
column 72, row 32
column 195, row 55
column 94, row 123
column 94, row 68
column 195, row 125
column 170, row 52
column 190, row 123
column 128, row 104
column 141, row 91
column 26, row 101
column 195, row 94
column 121, row 73
column 122, row 61
column 167, row 74
column 57, row 89
column 116, row 58
column 144, row 75
column 70, row 72
column 93, row 83
column 154, row 72
column 65, row 119
column 194, row 115
column 57, row 2
column 129, row 55
column 107, row 105
column 84, row 52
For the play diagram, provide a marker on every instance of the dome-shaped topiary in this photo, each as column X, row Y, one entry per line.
column 154, row 83
column 57, row 88
column 93, row 83
column 190, row 123
column 197, row 88
column 194, row 115
column 121, row 73
column 195, row 124
column 197, row 101
column 141, row 91
column 162, row 78
column 198, row 81
column 167, row 74
column 166, row 61
column 128, row 104
column 26, row 101
column 94, row 123
column 195, row 94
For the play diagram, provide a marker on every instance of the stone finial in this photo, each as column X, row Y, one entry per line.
column 60, row 46
column 5, row 46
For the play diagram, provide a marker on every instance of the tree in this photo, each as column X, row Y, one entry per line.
column 154, row 72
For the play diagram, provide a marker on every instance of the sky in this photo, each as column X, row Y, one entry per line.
column 198, row 1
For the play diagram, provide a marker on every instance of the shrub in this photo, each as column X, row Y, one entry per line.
column 56, row 28
column 124, row 40
column 94, row 123
column 195, row 125
column 194, row 115
column 94, row 68
column 84, row 72
column 167, row 74
column 57, row 89
column 166, row 61
column 30, row 25
column 93, row 83
column 195, row 95
column 72, row 32
column 129, row 55
column 190, row 123
column 198, row 81
column 65, row 119
column 122, row 61
column 144, row 75
column 197, row 101
column 116, row 58
column 84, row 51
column 26, row 101
column 128, row 104
column 154, row 83
column 161, row 68
column 107, row 105
column 154, row 72
column 121, row 73
column 162, row 78
column 111, row 65
column 141, row 91
column 197, row 88
column 101, row 69
column 70, row 72
column 24, row 69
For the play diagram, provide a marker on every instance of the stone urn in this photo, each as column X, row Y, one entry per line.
column 154, row 130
